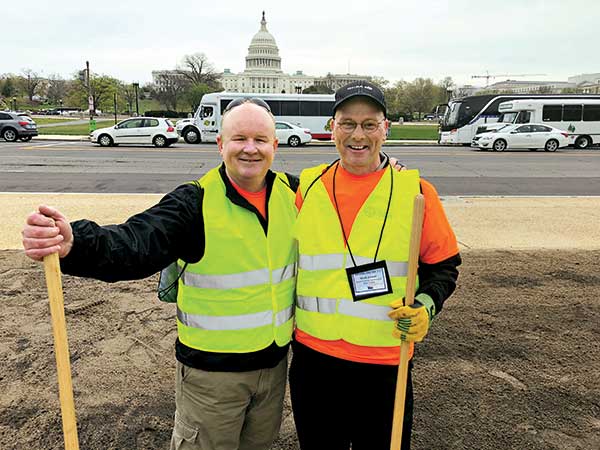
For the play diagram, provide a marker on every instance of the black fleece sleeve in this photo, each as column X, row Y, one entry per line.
column 439, row 280
column 146, row 243
column 293, row 180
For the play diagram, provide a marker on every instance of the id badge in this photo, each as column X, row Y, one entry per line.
column 369, row 280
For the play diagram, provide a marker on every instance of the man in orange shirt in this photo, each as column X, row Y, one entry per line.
column 353, row 231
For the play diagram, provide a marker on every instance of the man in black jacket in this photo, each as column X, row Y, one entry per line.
column 246, row 380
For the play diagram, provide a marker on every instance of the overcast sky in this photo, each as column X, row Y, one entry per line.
column 398, row 40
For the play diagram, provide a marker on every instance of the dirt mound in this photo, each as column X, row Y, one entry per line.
column 513, row 362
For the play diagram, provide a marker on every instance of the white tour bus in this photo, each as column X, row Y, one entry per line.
column 468, row 116
column 580, row 118
column 311, row 111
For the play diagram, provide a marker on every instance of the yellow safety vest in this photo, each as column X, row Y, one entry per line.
column 325, row 308
column 239, row 298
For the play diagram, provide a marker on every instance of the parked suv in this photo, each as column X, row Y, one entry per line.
column 14, row 126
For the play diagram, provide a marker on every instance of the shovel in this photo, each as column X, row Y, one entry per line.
column 413, row 263
column 61, row 351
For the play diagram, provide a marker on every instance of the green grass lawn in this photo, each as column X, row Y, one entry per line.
column 75, row 130
column 48, row 120
column 414, row 132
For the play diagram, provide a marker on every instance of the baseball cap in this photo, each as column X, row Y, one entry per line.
column 359, row 88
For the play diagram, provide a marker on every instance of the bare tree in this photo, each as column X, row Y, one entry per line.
column 127, row 91
column 169, row 90
column 30, row 81
column 57, row 88
column 197, row 69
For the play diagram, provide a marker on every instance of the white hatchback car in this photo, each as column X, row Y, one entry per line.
column 528, row 135
column 137, row 130
column 291, row 134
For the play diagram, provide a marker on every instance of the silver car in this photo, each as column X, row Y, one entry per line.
column 15, row 126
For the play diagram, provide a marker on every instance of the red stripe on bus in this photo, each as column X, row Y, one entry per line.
column 321, row 135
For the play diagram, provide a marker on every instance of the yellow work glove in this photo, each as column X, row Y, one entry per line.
column 412, row 322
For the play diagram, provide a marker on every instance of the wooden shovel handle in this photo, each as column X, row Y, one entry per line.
column 61, row 351
column 413, row 264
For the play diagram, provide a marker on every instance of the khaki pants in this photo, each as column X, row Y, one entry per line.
column 228, row 410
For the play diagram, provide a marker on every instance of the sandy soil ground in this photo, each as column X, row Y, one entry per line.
column 513, row 361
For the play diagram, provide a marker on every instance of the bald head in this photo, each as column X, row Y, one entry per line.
column 244, row 113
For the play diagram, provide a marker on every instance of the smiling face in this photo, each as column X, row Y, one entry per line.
column 359, row 151
column 247, row 144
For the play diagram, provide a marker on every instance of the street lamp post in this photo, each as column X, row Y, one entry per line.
column 115, row 103
column 137, row 106
column 14, row 104
column 61, row 106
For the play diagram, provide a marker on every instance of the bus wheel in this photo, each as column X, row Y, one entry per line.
column 499, row 145
column 551, row 145
column 294, row 141
column 191, row 136
column 583, row 142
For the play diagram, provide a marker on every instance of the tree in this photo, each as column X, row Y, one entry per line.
column 395, row 99
column 381, row 82
column 57, row 88
column 8, row 88
column 193, row 95
column 446, row 88
column 170, row 90
column 127, row 93
column 102, row 90
column 30, row 82
column 318, row 89
column 421, row 95
column 571, row 90
column 197, row 69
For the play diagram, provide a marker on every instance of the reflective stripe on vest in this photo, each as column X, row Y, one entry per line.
column 346, row 307
column 240, row 322
column 239, row 280
column 325, row 307
column 336, row 261
column 239, row 297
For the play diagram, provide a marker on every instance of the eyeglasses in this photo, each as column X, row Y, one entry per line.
column 368, row 126
column 240, row 101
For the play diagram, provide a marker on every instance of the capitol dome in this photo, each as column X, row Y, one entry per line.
column 263, row 53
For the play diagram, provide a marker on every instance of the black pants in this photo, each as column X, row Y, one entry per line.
column 337, row 402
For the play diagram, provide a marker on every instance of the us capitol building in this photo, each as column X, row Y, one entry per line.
column 263, row 72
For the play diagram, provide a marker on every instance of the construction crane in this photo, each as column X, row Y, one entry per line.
column 487, row 76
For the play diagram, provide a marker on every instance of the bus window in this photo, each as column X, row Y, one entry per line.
column 591, row 113
column 452, row 114
column 224, row 104
column 326, row 109
column 524, row 117
column 507, row 117
column 290, row 108
column 206, row 111
column 552, row 113
column 572, row 113
column 275, row 106
column 309, row 108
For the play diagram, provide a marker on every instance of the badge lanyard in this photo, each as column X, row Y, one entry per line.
column 372, row 279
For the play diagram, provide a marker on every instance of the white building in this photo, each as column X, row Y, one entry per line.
column 587, row 83
column 263, row 72
column 530, row 87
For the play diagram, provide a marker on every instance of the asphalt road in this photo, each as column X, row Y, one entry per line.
column 60, row 166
